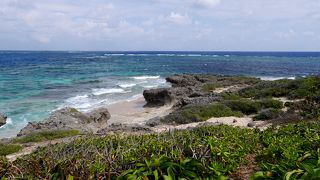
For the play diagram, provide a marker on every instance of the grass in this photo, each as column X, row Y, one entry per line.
column 198, row 113
column 290, row 152
column 6, row 149
column 46, row 135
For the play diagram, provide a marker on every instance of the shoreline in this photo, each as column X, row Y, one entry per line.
column 133, row 112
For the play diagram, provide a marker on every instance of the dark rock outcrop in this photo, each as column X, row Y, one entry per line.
column 183, row 80
column 70, row 118
column 3, row 119
column 200, row 99
column 164, row 96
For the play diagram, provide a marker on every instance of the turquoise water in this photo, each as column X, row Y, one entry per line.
column 33, row 84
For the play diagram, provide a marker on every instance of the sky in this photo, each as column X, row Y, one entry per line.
column 159, row 25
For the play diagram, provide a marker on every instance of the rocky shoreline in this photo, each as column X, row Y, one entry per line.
column 188, row 97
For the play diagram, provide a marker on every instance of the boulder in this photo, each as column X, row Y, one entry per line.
column 164, row 96
column 70, row 118
column 100, row 115
column 182, row 80
column 200, row 100
column 158, row 97
column 3, row 119
column 154, row 122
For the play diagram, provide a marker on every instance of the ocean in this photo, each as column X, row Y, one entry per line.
column 33, row 84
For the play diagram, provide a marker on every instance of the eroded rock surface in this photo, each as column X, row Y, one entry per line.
column 70, row 118
column 3, row 119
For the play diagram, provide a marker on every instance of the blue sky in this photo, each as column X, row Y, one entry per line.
column 205, row 25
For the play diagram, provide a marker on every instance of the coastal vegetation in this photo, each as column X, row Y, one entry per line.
column 290, row 152
column 289, row 148
column 46, row 135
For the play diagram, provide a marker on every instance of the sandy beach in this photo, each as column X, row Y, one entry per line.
column 133, row 112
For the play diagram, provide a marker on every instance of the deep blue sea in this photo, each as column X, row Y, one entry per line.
column 33, row 84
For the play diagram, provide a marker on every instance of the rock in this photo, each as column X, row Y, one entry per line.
column 182, row 80
column 165, row 96
column 158, row 97
column 100, row 115
column 3, row 119
column 251, row 124
column 154, row 122
column 201, row 100
column 67, row 119
column 234, row 121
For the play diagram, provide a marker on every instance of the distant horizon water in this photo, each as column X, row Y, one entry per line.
column 35, row 83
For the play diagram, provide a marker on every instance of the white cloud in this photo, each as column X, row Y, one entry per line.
column 179, row 18
column 207, row 3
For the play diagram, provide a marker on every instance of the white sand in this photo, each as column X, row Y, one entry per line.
column 133, row 112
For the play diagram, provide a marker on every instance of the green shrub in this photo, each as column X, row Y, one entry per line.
column 271, row 103
column 198, row 113
column 243, row 105
column 6, row 149
column 209, row 87
column 268, row 114
column 231, row 96
column 46, row 135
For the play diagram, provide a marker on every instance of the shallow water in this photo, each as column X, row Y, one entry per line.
column 33, row 84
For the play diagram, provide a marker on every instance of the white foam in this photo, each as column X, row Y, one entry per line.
column 101, row 91
column 271, row 78
column 77, row 98
column 9, row 122
column 127, row 85
column 146, row 77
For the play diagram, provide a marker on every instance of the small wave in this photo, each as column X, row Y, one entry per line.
column 9, row 122
column 77, row 98
column 146, row 77
column 126, row 85
column 271, row 78
column 114, row 54
column 101, row 91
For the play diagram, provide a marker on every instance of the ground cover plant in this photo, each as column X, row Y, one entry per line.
column 218, row 152
column 46, row 135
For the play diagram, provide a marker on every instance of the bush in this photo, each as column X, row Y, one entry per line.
column 198, row 113
column 230, row 96
column 46, row 135
column 209, row 87
column 245, row 106
column 6, row 149
column 271, row 103
column 264, row 89
column 268, row 114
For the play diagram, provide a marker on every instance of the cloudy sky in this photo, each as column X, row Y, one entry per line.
column 212, row 25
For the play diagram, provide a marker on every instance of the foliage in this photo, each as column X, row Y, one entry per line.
column 6, row 149
column 202, row 152
column 231, row 96
column 46, row 135
column 198, row 113
column 209, row 87
column 271, row 103
column 243, row 105
column 293, row 89
column 268, row 114
column 291, row 152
